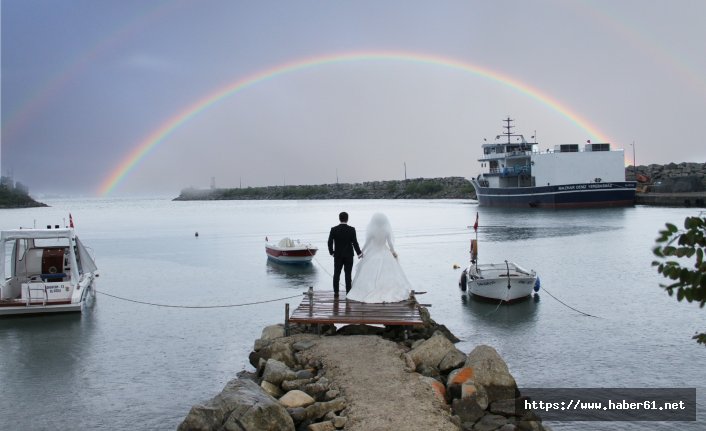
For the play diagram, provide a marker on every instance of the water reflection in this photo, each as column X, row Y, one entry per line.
column 504, row 315
column 295, row 275
column 30, row 353
column 515, row 233
column 522, row 224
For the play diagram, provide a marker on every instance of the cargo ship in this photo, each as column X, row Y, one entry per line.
column 520, row 175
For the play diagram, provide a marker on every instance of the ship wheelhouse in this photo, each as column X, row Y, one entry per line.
column 508, row 160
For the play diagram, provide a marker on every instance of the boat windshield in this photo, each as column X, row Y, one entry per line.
column 8, row 261
column 51, row 242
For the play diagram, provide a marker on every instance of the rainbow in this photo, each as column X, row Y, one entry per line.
column 159, row 135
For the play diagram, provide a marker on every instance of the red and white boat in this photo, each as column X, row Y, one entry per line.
column 290, row 251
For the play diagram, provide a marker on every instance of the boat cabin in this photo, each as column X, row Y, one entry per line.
column 41, row 265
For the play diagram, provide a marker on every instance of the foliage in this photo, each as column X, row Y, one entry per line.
column 249, row 192
column 359, row 192
column 468, row 190
column 12, row 198
column 689, row 284
column 423, row 187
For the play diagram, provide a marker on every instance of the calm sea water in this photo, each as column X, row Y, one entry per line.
column 126, row 366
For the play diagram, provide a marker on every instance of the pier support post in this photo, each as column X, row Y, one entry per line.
column 286, row 319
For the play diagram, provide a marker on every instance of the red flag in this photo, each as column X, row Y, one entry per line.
column 475, row 225
column 71, row 221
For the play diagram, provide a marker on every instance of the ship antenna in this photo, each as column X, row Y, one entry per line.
column 509, row 127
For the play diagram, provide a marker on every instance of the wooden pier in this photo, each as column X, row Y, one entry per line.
column 321, row 307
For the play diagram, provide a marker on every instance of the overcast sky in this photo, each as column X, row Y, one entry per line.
column 84, row 82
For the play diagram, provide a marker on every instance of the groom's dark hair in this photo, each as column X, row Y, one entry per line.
column 343, row 217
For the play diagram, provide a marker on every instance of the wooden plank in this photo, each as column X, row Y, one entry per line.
column 323, row 307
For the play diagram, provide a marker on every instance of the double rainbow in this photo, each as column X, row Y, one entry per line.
column 159, row 135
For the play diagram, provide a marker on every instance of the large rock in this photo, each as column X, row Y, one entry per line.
column 241, row 406
column 272, row 390
column 322, row 426
column 277, row 372
column 295, row 398
column 317, row 390
column 506, row 408
column 438, row 388
column 290, row 385
column 453, row 359
column 279, row 349
column 460, row 384
column 490, row 423
column 490, row 373
column 431, row 351
column 467, row 410
column 318, row 410
column 273, row 331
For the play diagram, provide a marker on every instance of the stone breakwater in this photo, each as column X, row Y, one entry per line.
column 671, row 178
column 362, row 377
column 673, row 184
column 419, row 188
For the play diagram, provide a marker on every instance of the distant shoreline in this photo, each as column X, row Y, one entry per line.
column 15, row 199
column 418, row 188
column 671, row 184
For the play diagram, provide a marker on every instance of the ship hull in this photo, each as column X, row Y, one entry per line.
column 587, row 195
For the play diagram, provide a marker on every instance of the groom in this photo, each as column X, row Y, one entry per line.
column 341, row 242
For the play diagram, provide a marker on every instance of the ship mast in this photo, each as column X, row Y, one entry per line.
column 509, row 128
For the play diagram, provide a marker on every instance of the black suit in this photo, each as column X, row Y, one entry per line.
column 341, row 242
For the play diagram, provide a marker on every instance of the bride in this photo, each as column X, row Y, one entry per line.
column 379, row 276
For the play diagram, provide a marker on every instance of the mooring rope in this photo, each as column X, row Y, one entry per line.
column 298, row 295
column 500, row 302
column 567, row 305
column 313, row 255
column 322, row 266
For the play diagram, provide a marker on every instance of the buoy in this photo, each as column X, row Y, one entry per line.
column 196, row 234
column 462, row 281
column 456, row 266
column 537, row 285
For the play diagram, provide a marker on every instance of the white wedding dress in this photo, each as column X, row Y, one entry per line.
column 379, row 276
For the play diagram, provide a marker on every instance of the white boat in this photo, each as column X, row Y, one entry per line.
column 44, row 271
column 290, row 251
column 506, row 282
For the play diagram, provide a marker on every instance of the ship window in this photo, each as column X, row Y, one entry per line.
column 569, row 148
column 598, row 147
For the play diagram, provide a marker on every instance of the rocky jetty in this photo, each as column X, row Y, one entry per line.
column 363, row 377
column 419, row 188
column 673, row 184
column 670, row 178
